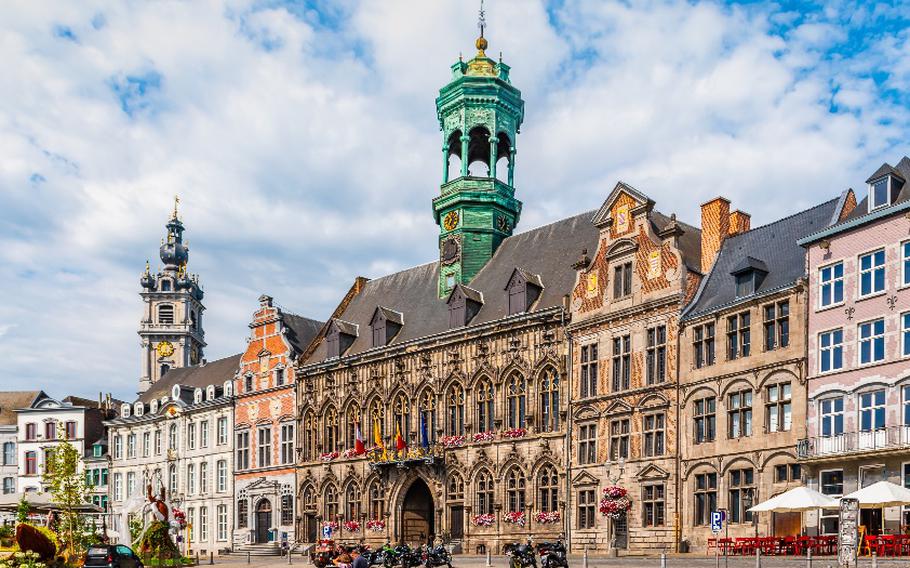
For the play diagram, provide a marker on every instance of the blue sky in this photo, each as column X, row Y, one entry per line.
column 302, row 140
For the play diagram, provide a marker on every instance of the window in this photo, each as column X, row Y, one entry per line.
column 777, row 325
column 221, row 515
column 191, row 436
column 703, row 345
column 586, row 508
column 9, row 485
column 622, row 280
column 172, row 437
column 787, row 472
column 172, row 479
column 905, row 334
column 832, row 416
column 247, row 383
column 131, row 446
column 222, row 473
column 204, row 478
column 401, row 415
column 279, row 377
column 222, row 431
column 652, row 505
column 118, row 487
column 455, row 410
column 456, row 488
column 118, row 447
column 549, row 400
column 832, row 485
column 547, row 489
column 872, row 273
column 264, row 446
column 515, row 490
column 287, row 509
column 352, row 501
column 157, row 442
column 427, row 417
column 739, row 414
column 738, row 336
column 30, row 431
column 203, row 523
column 243, row 450
column 70, row 428
column 831, row 285
column 50, row 430
column 484, row 395
column 287, row 443
column 872, row 341
column 589, row 370
column 377, row 500
column 619, row 439
column 48, row 460
column 878, row 193
column 705, row 497
column 166, row 312
column 778, row 407
column 657, row 354
column 9, row 453
column 905, row 249
column 742, row 494
column 190, row 478
column 309, row 435
column 831, row 350
column 587, row 444
column 517, row 401
column 484, row 493
column 705, row 420
column 330, row 430
column 204, row 434
column 622, row 359
column 872, row 411
column 654, row 425
column 242, row 513
column 146, row 444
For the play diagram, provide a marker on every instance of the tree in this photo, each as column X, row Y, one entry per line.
column 22, row 510
column 69, row 491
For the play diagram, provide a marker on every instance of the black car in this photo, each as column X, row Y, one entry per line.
column 112, row 556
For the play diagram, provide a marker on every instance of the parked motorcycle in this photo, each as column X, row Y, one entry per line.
column 434, row 556
column 552, row 554
column 408, row 557
column 521, row 555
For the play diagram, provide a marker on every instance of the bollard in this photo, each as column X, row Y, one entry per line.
column 663, row 560
column 197, row 558
column 584, row 560
column 758, row 558
column 211, row 557
column 289, row 557
column 808, row 557
column 874, row 559
column 247, row 556
column 489, row 562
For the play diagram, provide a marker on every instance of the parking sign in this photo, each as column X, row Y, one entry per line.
column 717, row 521
column 326, row 531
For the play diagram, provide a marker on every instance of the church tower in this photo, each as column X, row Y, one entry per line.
column 171, row 327
column 480, row 113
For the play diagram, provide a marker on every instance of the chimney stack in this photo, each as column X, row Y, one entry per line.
column 739, row 222
column 715, row 226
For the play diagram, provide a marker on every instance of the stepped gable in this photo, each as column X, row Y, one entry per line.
column 202, row 375
column 547, row 252
column 773, row 245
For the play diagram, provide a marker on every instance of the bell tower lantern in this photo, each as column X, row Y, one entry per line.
column 480, row 114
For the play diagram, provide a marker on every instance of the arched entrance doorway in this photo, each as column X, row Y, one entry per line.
column 263, row 520
column 418, row 514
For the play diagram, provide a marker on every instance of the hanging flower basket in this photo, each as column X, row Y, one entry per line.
column 179, row 517
column 547, row 517
column 615, row 502
column 484, row 436
column 483, row 520
column 376, row 525
column 329, row 456
column 452, row 441
column 352, row 526
column 515, row 518
column 514, row 433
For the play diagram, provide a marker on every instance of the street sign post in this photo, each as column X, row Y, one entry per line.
column 717, row 521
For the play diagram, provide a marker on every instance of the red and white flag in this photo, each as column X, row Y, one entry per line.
column 359, row 446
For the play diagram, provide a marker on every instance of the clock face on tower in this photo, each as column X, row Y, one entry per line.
column 450, row 221
column 502, row 223
column 165, row 349
column 449, row 250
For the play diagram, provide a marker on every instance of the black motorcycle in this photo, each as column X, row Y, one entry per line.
column 521, row 555
column 552, row 555
column 434, row 556
column 402, row 555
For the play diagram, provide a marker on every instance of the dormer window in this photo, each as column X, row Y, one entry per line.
column 154, row 406
column 175, row 392
column 125, row 411
column 523, row 289
column 339, row 337
column 210, row 392
column 878, row 193
column 137, row 409
column 279, row 376
column 197, row 396
column 464, row 303
column 884, row 187
column 385, row 325
column 749, row 274
column 228, row 388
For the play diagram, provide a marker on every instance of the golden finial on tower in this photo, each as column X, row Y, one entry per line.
column 147, row 267
column 176, row 202
column 481, row 42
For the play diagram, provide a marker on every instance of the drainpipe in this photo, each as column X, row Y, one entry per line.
column 567, row 521
column 677, row 517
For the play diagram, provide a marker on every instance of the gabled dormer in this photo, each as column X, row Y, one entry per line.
column 339, row 337
column 749, row 274
column 884, row 186
column 523, row 290
column 385, row 325
column 464, row 303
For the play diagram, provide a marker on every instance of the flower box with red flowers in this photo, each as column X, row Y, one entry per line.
column 350, row 453
column 547, row 517
column 328, row 456
column 483, row 436
column 352, row 526
column 452, row 441
column 515, row 518
column 515, row 433
column 615, row 502
column 483, row 520
column 331, row 524
column 179, row 517
column 376, row 525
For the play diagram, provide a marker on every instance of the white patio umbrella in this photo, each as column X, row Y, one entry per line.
column 796, row 500
column 880, row 495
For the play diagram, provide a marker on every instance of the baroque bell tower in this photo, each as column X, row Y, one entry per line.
column 171, row 327
column 480, row 114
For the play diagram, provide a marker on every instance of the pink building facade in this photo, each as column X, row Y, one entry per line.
column 858, row 415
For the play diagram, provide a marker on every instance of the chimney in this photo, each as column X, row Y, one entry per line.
column 715, row 226
column 265, row 301
column 739, row 222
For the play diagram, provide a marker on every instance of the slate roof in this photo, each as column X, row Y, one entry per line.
column 901, row 170
column 12, row 400
column 301, row 330
column 212, row 373
column 773, row 245
column 547, row 251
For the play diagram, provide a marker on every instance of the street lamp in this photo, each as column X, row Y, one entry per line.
column 621, row 467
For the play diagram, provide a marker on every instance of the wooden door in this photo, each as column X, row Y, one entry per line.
column 456, row 522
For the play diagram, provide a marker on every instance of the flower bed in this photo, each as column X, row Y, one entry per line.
column 615, row 502
column 547, row 517
column 515, row 518
column 514, row 433
column 483, row 436
column 352, row 526
column 452, row 441
column 483, row 520
column 376, row 525
column 329, row 456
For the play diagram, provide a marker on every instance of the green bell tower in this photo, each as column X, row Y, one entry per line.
column 480, row 113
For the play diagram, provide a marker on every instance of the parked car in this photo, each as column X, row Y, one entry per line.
column 111, row 556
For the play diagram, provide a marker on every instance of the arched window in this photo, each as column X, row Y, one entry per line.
column 547, row 489
column 428, row 416
column 377, row 500
column 456, row 488
column 330, row 430
column 377, row 421
column 352, row 502
column 484, row 493
column 401, row 414
column 517, row 400
column 309, row 435
column 455, row 408
column 549, row 400
column 172, row 481
column 309, row 499
column 484, row 397
column 515, row 490
column 330, row 513
column 351, row 421
column 166, row 314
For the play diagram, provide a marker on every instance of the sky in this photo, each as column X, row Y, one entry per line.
column 303, row 142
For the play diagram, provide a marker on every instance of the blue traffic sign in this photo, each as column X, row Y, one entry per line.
column 717, row 521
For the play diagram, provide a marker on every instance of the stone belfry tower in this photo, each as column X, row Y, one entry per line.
column 171, row 328
column 480, row 114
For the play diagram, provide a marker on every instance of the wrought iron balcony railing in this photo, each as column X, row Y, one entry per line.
column 846, row 443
